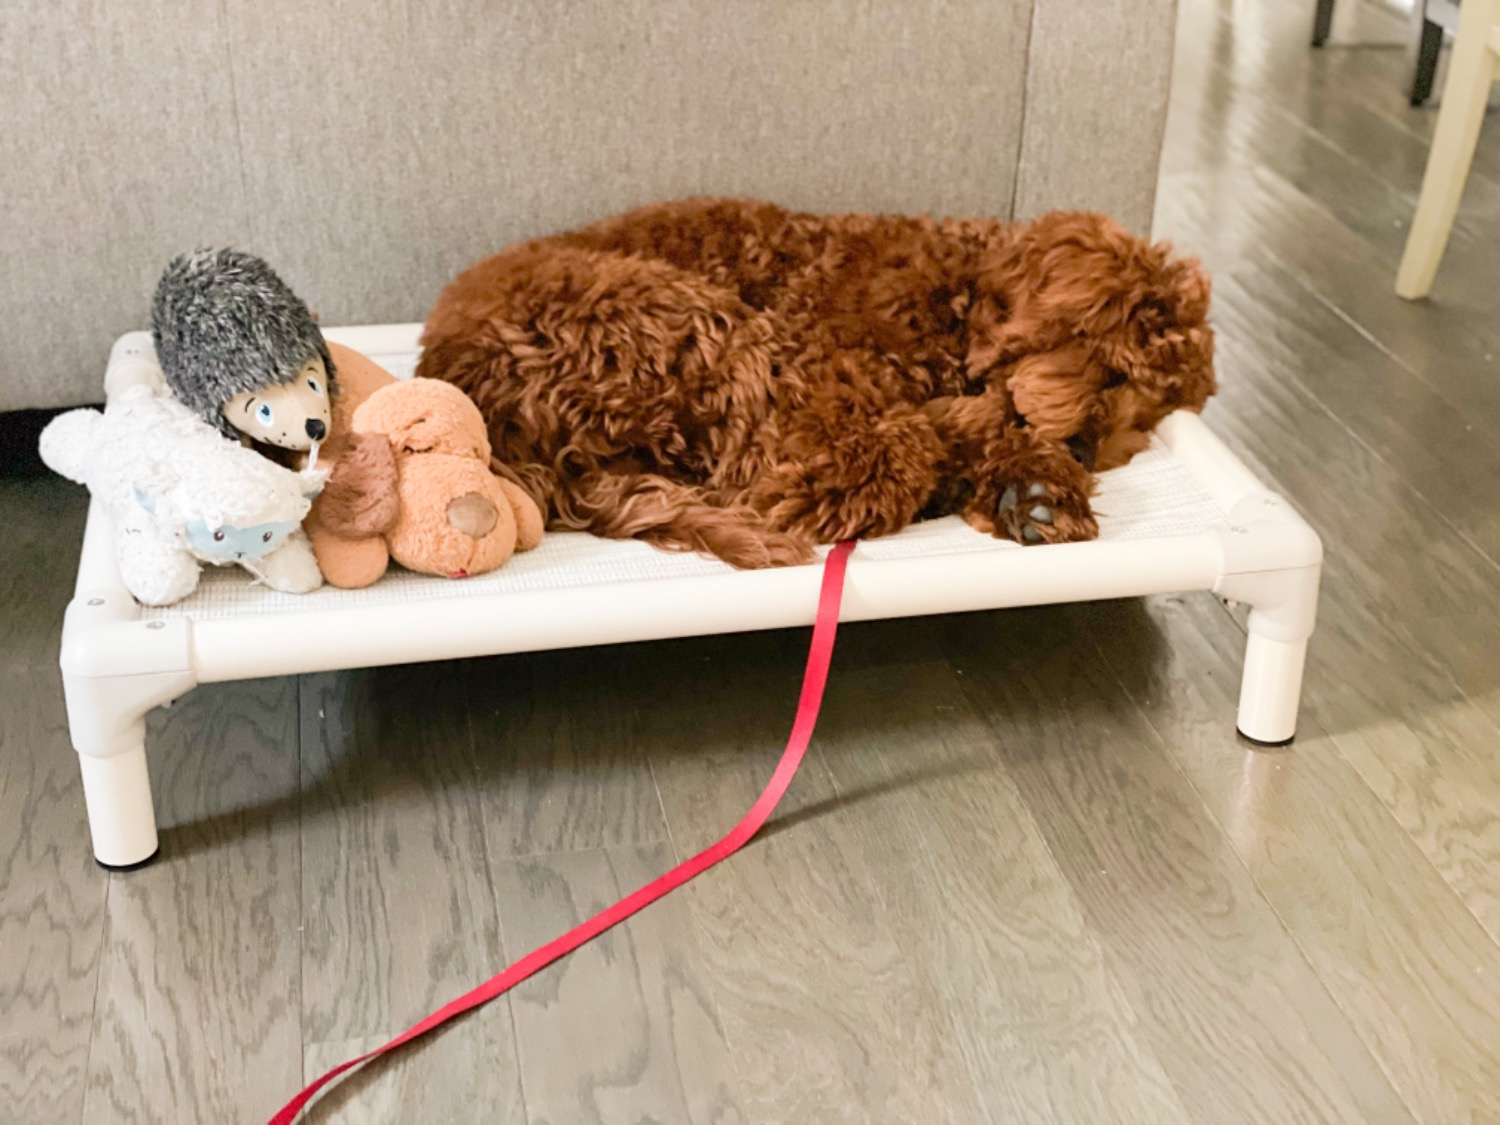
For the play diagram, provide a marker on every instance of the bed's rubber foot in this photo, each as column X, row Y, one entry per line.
column 120, row 868
column 1261, row 744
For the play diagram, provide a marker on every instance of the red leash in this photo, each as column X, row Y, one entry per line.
column 818, row 658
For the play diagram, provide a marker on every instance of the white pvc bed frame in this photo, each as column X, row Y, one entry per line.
column 119, row 661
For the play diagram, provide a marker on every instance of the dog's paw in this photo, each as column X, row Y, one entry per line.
column 1035, row 511
column 1042, row 513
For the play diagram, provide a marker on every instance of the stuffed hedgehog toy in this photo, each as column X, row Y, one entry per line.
column 182, row 494
column 243, row 351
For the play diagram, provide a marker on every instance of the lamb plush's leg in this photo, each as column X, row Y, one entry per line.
column 291, row 568
column 1015, row 484
column 155, row 568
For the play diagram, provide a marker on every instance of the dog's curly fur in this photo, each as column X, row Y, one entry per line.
column 730, row 377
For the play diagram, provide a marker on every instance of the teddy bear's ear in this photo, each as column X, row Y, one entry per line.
column 360, row 499
column 143, row 500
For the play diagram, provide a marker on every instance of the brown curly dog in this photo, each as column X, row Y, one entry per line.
column 731, row 377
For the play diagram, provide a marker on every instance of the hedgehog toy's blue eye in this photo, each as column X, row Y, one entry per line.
column 264, row 414
column 312, row 385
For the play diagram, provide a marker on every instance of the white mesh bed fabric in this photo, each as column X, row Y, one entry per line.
column 1152, row 497
column 1155, row 496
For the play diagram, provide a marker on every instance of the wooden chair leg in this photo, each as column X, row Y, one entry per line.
column 1471, row 72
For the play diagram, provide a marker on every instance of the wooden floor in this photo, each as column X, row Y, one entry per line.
column 1028, row 875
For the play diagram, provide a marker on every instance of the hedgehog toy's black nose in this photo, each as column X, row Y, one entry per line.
column 316, row 429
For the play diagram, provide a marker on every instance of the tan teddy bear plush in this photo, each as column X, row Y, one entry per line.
column 412, row 482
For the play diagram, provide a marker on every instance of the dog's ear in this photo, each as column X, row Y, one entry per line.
column 1167, row 344
column 1185, row 282
column 986, row 343
column 1056, row 390
column 1066, row 274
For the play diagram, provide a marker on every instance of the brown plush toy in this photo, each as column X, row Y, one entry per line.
column 413, row 483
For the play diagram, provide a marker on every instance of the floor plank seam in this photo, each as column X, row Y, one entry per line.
column 834, row 807
column 1348, row 318
column 1354, row 160
column 1109, row 962
column 301, row 683
column 487, row 856
column 697, row 941
column 1308, row 286
column 1334, row 737
column 1311, row 392
column 661, row 807
column 88, row 1055
column 1286, row 930
column 587, row 849
column 997, row 759
column 1437, row 872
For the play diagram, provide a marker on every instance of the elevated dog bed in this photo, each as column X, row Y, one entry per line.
column 1185, row 515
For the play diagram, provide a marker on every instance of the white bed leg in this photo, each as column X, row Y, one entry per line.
column 116, row 668
column 1283, row 610
column 1271, row 689
column 107, row 721
column 122, row 819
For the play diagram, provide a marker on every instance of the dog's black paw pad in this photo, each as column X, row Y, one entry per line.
column 1041, row 513
column 1027, row 524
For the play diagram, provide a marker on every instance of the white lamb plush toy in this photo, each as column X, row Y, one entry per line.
column 181, row 493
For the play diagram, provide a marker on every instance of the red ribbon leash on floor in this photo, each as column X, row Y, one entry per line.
column 819, row 655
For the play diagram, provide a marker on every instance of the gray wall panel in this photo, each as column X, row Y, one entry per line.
column 437, row 133
column 1096, row 105
column 118, row 149
column 370, row 151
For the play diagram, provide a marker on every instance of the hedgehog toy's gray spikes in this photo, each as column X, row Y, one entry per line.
column 225, row 324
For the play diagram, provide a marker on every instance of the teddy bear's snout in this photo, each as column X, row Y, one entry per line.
column 472, row 514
